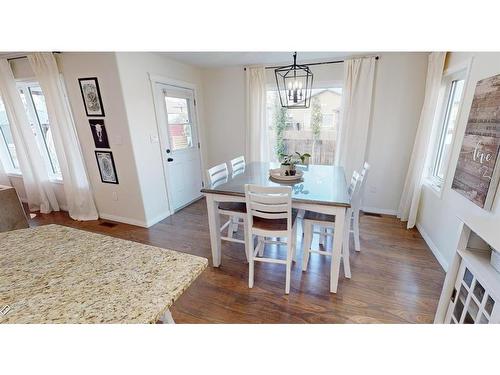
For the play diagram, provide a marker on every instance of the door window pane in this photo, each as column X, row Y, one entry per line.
column 6, row 139
column 179, row 124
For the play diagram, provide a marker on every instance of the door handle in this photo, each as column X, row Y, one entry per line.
column 168, row 151
column 170, row 159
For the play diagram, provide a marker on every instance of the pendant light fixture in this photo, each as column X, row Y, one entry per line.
column 294, row 84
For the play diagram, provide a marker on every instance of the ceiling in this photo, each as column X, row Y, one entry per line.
column 224, row 59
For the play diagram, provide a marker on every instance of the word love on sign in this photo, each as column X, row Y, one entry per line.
column 477, row 173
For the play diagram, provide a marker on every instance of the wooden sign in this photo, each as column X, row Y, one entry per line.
column 478, row 169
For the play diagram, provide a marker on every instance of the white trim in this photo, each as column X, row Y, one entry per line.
column 157, row 219
column 444, row 264
column 122, row 219
column 382, row 211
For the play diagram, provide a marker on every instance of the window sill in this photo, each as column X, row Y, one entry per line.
column 434, row 187
column 53, row 180
column 14, row 174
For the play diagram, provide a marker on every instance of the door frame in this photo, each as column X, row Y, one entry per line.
column 159, row 79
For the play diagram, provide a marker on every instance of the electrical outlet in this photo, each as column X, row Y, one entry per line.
column 114, row 195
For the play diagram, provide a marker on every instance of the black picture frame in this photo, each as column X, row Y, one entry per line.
column 99, row 133
column 105, row 179
column 89, row 86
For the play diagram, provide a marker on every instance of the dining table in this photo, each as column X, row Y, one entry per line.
column 322, row 189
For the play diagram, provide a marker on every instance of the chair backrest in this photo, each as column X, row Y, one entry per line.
column 355, row 190
column 237, row 164
column 217, row 174
column 363, row 173
column 269, row 202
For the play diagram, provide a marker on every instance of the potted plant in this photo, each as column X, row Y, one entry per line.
column 304, row 158
column 288, row 163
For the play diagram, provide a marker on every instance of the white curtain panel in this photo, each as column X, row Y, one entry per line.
column 39, row 190
column 410, row 199
column 81, row 204
column 257, row 140
column 356, row 113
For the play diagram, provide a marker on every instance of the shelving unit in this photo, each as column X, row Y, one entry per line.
column 471, row 292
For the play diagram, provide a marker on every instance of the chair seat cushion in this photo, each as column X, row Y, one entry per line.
column 233, row 206
column 310, row 215
column 273, row 224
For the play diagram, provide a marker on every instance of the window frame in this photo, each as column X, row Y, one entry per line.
column 33, row 115
column 5, row 153
column 441, row 125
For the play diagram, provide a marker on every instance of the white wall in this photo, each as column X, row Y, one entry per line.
column 128, row 207
column 134, row 69
column 397, row 102
column 438, row 217
column 224, row 93
column 398, row 98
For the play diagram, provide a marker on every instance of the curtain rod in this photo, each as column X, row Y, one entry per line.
column 310, row 64
column 24, row 57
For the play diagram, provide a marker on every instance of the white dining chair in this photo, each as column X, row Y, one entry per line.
column 327, row 222
column 270, row 215
column 238, row 165
column 236, row 211
column 357, row 206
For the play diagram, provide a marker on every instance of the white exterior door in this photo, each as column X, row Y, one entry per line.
column 179, row 143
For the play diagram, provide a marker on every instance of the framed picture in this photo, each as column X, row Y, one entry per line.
column 107, row 168
column 91, row 96
column 478, row 169
column 99, row 133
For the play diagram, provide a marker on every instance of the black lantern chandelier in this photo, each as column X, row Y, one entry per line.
column 294, row 84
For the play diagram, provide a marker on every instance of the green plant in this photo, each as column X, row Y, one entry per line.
column 280, row 115
column 303, row 156
column 316, row 117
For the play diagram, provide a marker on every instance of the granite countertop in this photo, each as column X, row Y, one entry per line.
column 56, row 274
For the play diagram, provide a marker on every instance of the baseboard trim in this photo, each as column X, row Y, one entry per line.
column 433, row 247
column 382, row 211
column 157, row 219
column 125, row 220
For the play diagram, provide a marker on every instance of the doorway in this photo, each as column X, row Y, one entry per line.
column 179, row 142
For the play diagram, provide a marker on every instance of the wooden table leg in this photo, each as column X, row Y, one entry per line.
column 214, row 225
column 337, row 249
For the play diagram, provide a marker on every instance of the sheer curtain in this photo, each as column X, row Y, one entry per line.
column 257, row 141
column 410, row 199
column 356, row 113
column 39, row 191
column 81, row 204
column 4, row 179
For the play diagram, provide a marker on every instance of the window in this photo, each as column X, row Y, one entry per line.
column 312, row 130
column 179, row 124
column 34, row 103
column 7, row 147
column 453, row 87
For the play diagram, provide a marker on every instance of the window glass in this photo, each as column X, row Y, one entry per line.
column 448, row 128
column 179, row 125
column 312, row 130
column 36, row 109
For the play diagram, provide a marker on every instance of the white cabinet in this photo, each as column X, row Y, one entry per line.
column 471, row 292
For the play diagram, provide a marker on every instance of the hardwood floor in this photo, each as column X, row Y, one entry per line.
column 395, row 277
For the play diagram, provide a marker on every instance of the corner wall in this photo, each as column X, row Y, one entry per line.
column 134, row 69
